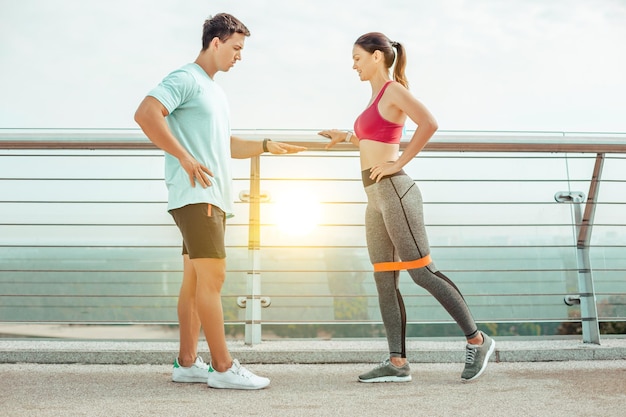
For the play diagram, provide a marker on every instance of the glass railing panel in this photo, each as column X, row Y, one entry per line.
column 509, row 283
column 82, row 164
column 92, row 284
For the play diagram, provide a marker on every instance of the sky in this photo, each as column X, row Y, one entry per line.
column 517, row 65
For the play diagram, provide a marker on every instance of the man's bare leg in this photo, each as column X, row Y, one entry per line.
column 210, row 275
column 188, row 319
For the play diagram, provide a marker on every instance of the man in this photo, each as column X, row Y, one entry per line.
column 187, row 116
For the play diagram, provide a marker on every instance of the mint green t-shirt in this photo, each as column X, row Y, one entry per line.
column 199, row 117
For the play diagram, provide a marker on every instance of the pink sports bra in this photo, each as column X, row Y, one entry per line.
column 371, row 125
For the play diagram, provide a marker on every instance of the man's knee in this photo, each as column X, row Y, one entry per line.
column 211, row 273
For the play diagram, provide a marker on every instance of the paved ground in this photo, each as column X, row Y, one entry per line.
column 527, row 377
column 567, row 388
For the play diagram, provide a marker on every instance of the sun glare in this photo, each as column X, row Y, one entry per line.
column 297, row 212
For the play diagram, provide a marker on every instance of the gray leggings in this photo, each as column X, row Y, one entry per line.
column 394, row 224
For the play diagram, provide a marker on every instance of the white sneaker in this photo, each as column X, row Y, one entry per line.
column 237, row 377
column 198, row 372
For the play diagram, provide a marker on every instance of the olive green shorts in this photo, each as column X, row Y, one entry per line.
column 202, row 226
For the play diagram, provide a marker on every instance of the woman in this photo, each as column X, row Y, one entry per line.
column 394, row 215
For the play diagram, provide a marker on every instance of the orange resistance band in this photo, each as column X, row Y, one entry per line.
column 397, row 266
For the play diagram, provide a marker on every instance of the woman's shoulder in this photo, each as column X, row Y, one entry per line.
column 396, row 86
column 395, row 90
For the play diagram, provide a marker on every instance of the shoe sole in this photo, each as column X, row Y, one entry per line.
column 190, row 380
column 228, row 386
column 388, row 379
column 492, row 348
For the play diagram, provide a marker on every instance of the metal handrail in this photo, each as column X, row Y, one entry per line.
column 443, row 141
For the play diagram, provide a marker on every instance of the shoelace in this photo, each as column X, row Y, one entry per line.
column 470, row 353
column 200, row 363
column 241, row 371
column 383, row 363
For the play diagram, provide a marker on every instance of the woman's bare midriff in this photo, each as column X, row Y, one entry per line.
column 373, row 153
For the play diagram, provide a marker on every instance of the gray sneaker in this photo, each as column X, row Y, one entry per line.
column 477, row 357
column 387, row 372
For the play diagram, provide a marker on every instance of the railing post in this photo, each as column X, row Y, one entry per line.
column 253, row 281
column 584, row 225
column 588, row 308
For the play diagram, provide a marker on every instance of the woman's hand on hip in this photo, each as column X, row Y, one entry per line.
column 378, row 171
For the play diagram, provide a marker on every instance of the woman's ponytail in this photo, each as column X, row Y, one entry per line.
column 400, row 64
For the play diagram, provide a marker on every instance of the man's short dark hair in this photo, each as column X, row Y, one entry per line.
column 222, row 25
